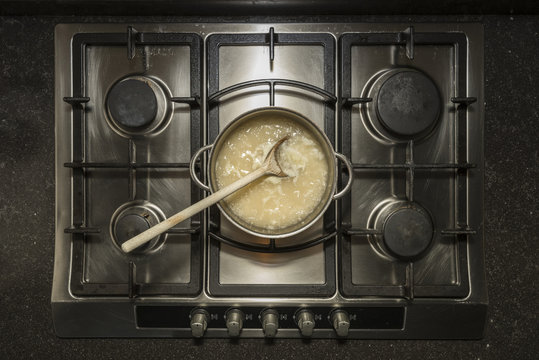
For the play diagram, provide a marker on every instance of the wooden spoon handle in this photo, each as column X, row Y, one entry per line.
column 160, row 228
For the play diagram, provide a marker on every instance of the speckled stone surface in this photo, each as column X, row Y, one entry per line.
column 27, row 210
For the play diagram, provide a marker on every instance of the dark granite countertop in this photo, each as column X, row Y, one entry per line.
column 27, row 209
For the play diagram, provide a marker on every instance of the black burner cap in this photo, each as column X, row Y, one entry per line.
column 408, row 103
column 132, row 103
column 129, row 226
column 407, row 232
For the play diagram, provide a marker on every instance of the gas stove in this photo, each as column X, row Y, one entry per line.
column 399, row 256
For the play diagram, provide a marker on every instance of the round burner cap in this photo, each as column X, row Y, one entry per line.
column 407, row 232
column 408, row 103
column 132, row 221
column 129, row 226
column 132, row 103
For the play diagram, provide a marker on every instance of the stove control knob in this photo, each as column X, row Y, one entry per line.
column 341, row 322
column 199, row 322
column 270, row 322
column 305, row 319
column 234, row 322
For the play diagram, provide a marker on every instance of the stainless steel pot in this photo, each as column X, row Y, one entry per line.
column 331, row 156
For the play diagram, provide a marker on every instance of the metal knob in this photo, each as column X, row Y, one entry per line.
column 234, row 322
column 341, row 322
column 270, row 323
column 306, row 322
column 199, row 322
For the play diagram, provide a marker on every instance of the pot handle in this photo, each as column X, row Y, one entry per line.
column 192, row 163
column 348, row 165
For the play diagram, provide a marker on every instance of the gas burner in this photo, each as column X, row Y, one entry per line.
column 405, row 230
column 137, row 105
column 131, row 219
column 406, row 105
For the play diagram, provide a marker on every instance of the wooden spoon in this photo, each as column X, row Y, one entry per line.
column 270, row 166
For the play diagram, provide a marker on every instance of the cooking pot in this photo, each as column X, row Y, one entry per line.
column 330, row 155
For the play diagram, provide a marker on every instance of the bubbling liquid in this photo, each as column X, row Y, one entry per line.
column 273, row 202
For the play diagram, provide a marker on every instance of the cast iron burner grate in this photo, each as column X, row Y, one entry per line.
column 79, row 230
column 460, row 168
column 328, row 99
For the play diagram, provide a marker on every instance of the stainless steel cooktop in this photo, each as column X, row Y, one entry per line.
column 400, row 256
